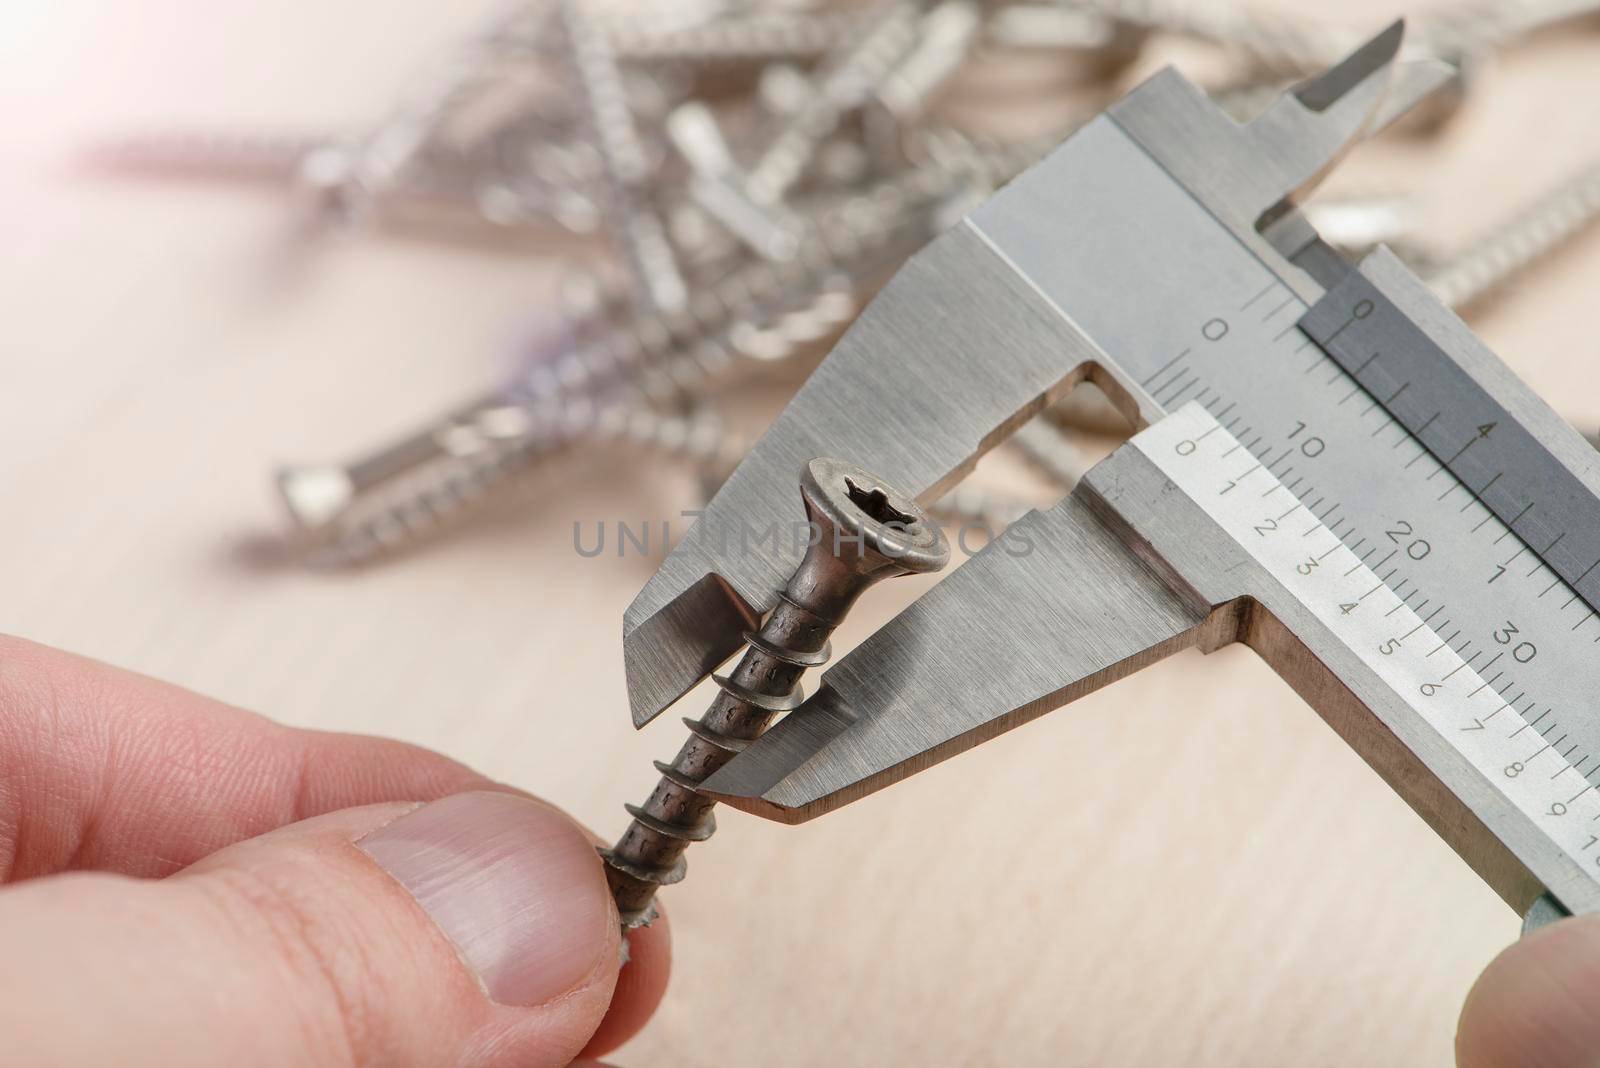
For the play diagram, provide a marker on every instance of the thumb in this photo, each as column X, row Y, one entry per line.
column 1537, row 1005
column 475, row 930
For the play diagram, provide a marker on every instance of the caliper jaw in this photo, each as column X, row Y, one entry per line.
column 958, row 350
column 1251, row 175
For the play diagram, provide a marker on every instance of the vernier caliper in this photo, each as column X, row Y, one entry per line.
column 1333, row 471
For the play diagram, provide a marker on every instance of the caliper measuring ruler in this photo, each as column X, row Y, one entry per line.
column 1159, row 253
column 1428, row 687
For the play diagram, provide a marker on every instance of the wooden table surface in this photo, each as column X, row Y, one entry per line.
column 1272, row 904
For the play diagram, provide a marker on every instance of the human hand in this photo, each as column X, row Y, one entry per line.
column 189, row 884
column 1537, row 1005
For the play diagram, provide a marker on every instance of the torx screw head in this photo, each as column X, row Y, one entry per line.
column 862, row 530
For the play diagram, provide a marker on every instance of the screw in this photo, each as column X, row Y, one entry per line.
column 627, row 169
column 401, row 161
column 945, row 37
column 1104, row 45
column 1282, row 45
column 345, row 514
column 1049, row 450
column 862, row 531
column 756, row 37
column 844, row 83
column 1482, row 27
column 1357, row 223
column 981, row 508
column 184, row 153
column 762, row 312
column 715, row 185
column 1540, row 228
column 348, row 181
column 321, row 497
column 750, row 205
column 519, row 174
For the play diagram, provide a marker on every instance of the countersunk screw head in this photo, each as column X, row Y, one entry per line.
column 862, row 530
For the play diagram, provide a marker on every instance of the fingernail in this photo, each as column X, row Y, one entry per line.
column 514, row 884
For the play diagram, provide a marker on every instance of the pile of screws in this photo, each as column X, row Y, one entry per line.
column 759, row 169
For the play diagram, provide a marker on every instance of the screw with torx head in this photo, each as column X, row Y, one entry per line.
column 862, row 531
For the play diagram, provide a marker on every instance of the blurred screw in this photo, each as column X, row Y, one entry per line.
column 640, row 230
column 750, row 205
column 516, row 177
column 843, row 84
column 754, row 37
column 1482, row 26
column 346, row 513
column 1050, row 451
column 344, row 178
column 1534, row 232
column 1281, row 44
column 945, row 36
column 1357, row 223
column 715, row 181
column 209, row 154
column 1104, row 45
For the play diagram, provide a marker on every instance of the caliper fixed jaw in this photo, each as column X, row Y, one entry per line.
column 1252, row 175
column 959, row 349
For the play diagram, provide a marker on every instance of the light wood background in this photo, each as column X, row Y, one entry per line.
column 1271, row 903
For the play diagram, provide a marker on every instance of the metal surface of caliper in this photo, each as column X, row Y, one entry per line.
column 1334, row 471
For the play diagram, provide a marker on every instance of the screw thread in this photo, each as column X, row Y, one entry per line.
column 754, row 38
column 762, row 312
column 446, row 470
column 492, row 444
column 1048, row 449
column 1283, row 45
column 1531, row 235
column 255, row 157
column 627, row 167
column 841, row 500
column 844, row 82
column 392, row 147
column 764, row 684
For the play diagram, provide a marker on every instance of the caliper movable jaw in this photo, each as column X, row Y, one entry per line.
column 960, row 348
